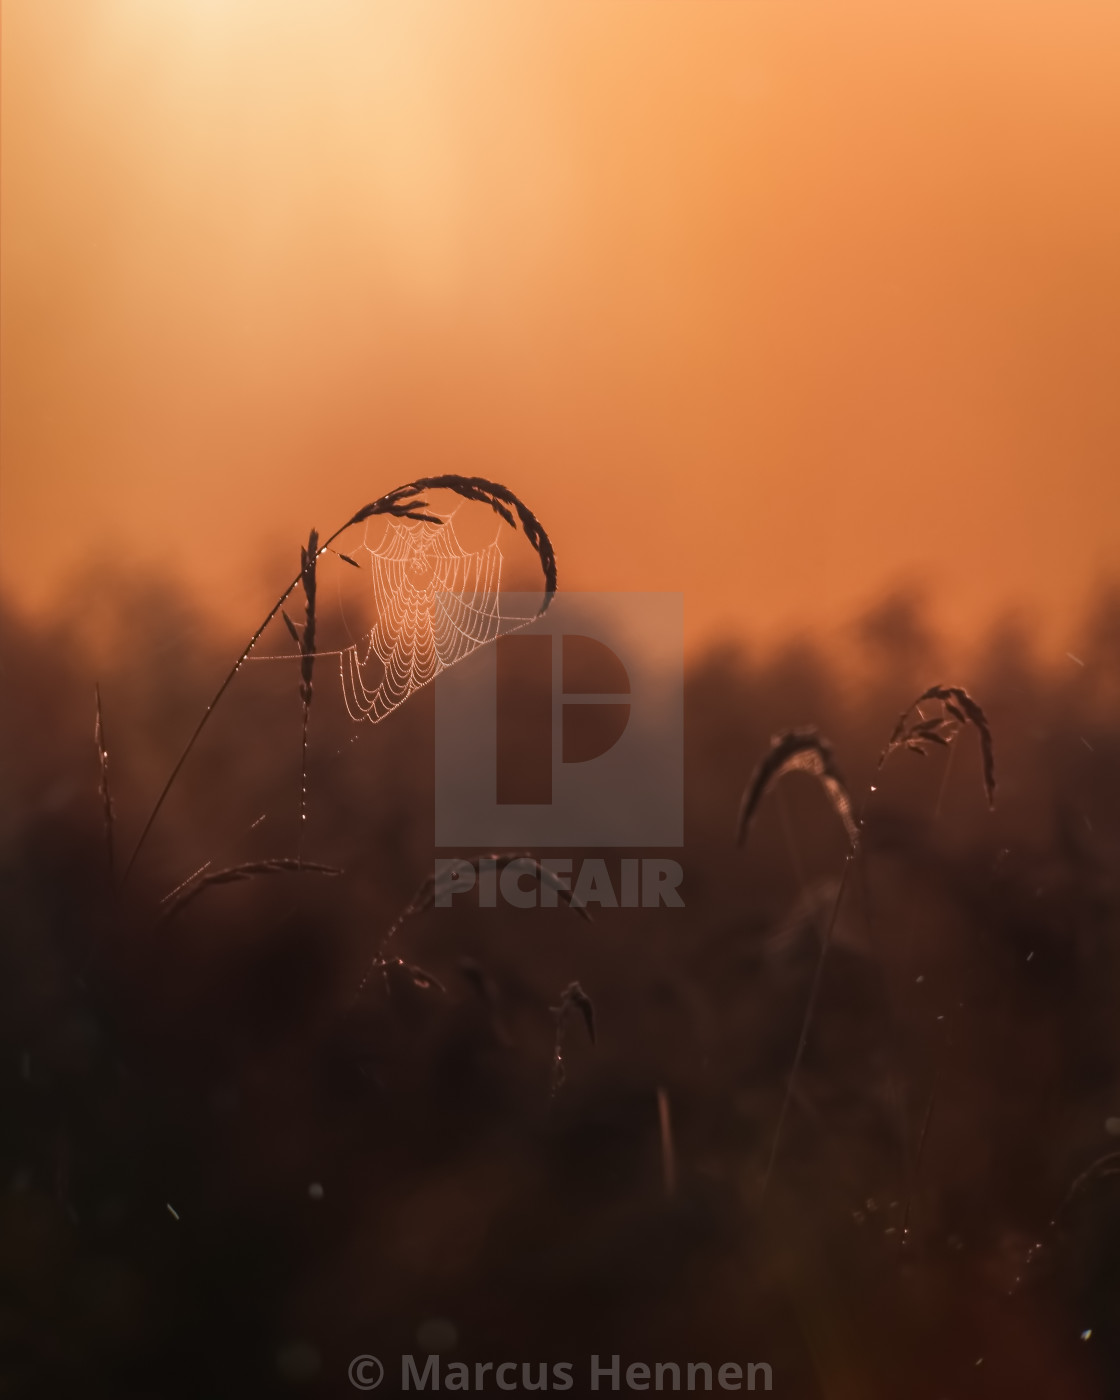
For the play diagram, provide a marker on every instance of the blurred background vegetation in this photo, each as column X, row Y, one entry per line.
column 225, row 1171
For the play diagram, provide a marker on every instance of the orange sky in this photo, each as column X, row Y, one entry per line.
column 775, row 302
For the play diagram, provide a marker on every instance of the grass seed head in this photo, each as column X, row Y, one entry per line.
column 802, row 750
column 916, row 733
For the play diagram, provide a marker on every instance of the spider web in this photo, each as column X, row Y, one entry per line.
column 436, row 603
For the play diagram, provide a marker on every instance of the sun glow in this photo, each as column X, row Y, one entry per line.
column 591, row 249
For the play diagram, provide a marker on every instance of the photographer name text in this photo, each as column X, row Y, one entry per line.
column 606, row 1373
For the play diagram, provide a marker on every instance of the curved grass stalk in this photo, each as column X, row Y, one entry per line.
column 403, row 503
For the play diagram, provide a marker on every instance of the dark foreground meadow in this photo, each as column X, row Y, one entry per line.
column 225, row 1172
